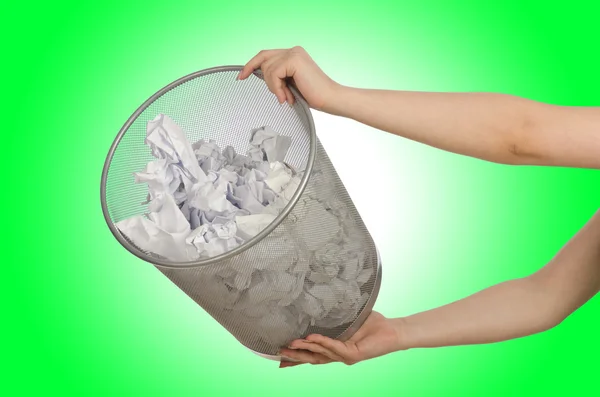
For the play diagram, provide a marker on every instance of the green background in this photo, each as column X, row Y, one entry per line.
column 85, row 317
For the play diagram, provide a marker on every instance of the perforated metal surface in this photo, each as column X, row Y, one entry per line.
column 212, row 104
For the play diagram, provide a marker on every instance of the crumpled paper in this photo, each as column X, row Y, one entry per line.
column 163, row 232
column 205, row 201
column 269, row 145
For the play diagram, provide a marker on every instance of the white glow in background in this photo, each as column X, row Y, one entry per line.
column 391, row 189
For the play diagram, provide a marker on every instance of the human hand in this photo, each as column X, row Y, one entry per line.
column 295, row 66
column 376, row 337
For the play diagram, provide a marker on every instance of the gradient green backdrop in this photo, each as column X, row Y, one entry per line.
column 84, row 317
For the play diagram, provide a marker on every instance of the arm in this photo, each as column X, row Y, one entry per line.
column 515, row 308
column 494, row 127
column 505, row 311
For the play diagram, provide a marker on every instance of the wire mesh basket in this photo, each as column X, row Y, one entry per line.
column 314, row 269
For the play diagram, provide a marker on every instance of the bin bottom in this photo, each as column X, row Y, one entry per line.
column 347, row 334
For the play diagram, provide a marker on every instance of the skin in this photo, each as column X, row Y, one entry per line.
column 492, row 127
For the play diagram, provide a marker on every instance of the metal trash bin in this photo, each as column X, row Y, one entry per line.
column 319, row 227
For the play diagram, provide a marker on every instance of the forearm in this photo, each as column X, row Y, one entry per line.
column 486, row 126
column 515, row 308
column 493, row 127
column 505, row 311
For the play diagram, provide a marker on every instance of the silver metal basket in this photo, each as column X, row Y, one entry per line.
column 213, row 104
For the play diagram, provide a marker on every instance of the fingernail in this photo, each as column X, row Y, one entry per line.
column 292, row 347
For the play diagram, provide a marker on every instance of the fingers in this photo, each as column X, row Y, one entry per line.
column 285, row 364
column 274, row 69
column 315, row 348
column 271, row 74
column 256, row 62
column 289, row 95
column 347, row 352
column 277, row 87
column 306, row 356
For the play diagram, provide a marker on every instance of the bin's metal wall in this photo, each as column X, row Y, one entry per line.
column 202, row 284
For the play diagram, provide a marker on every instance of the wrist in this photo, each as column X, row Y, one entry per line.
column 333, row 103
column 404, row 339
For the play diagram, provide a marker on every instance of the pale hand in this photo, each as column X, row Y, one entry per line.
column 377, row 336
column 281, row 67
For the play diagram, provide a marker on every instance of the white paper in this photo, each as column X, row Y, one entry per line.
column 275, row 146
column 250, row 225
column 164, row 232
column 214, row 239
column 211, row 197
column 168, row 141
column 316, row 214
column 279, row 176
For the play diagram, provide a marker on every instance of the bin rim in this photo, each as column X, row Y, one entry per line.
column 303, row 111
